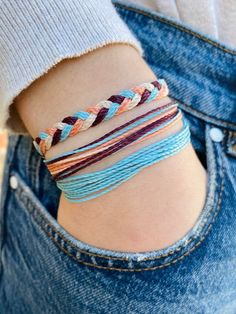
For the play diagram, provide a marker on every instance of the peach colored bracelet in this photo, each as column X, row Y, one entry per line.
column 145, row 126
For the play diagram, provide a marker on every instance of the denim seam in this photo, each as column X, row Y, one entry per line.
column 204, row 117
column 176, row 25
column 124, row 259
column 3, row 200
column 231, row 53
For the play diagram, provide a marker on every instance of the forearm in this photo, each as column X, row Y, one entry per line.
column 75, row 84
column 36, row 35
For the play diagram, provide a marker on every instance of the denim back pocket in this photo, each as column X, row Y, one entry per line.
column 89, row 255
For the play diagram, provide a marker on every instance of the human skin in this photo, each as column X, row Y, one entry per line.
column 157, row 206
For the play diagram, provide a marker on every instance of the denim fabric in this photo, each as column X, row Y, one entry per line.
column 46, row 270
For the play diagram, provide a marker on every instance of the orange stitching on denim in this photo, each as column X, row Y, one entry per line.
column 172, row 23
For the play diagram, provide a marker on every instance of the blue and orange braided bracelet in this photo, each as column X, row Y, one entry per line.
column 64, row 167
column 103, row 111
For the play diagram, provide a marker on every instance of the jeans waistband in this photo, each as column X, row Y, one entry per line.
column 200, row 71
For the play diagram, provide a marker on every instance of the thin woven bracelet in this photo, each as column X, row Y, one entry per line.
column 143, row 128
column 81, row 188
column 115, row 132
column 75, row 166
column 77, row 162
column 103, row 111
column 67, row 172
column 136, row 137
column 81, row 159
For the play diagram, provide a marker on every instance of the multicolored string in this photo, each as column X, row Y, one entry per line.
column 103, row 111
column 84, row 187
column 132, row 132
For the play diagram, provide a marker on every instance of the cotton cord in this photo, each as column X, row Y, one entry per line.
column 85, row 187
column 149, row 125
column 97, row 157
column 115, row 132
column 103, row 111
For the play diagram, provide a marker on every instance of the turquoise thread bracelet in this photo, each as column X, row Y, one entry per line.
column 85, row 187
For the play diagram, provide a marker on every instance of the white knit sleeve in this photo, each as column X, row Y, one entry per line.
column 36, row 34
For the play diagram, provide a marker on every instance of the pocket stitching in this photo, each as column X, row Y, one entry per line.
column 67, row 241
column 155, row 267
column 47, row 223
column 166, row 264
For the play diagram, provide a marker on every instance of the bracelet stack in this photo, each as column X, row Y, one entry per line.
column 82, row 187
column 104, row 110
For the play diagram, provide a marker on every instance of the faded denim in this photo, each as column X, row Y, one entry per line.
column 46, row 270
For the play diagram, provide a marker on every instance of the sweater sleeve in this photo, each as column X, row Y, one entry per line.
column 35, row 35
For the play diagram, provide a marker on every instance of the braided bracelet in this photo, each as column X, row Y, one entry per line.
column 103, row 111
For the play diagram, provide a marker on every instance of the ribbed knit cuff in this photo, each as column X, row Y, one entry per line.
column 36, row 35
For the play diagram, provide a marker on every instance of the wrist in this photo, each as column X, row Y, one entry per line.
column 77, row 83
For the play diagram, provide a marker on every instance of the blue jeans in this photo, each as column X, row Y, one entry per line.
column 45, row 270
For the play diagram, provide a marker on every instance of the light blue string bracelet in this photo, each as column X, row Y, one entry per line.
column 85, row 187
